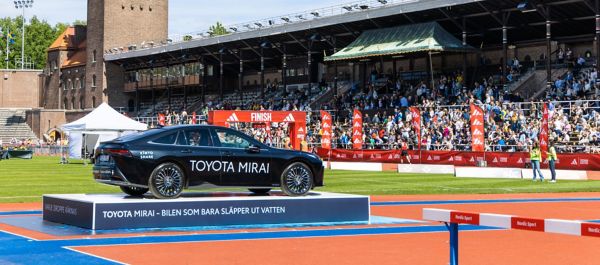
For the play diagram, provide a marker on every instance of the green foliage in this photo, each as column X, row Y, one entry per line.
column 28, row 180
column 187, row 38
column 217, row 30
column 39, row 35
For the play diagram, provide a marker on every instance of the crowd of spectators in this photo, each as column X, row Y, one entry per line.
column 510, row 123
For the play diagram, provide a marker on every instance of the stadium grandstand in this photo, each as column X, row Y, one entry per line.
column 382, row 57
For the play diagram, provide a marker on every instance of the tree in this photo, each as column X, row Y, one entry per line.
column 39, row 35
column 217, row 30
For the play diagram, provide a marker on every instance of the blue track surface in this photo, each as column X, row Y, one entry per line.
column 19, row 250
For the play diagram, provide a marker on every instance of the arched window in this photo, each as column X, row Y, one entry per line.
column 73, row 103
column 82, row 81
column 76, row 84
column 93, row 81
column 93, row 102
column 65, row 103
column 94, row 56
column 81, row 101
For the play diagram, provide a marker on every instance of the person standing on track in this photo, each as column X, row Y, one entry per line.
column 536, row 155
column 404, row 153
column 552, row 161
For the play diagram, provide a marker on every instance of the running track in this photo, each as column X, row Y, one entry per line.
column 421, row 243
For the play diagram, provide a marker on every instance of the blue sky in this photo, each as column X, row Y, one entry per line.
column 184, row 15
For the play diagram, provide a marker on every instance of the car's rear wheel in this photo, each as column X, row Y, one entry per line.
column 134, row 191
column 166, row 181
column 296, row 179
column 259, row 191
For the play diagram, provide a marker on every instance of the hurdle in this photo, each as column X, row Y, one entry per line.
column 453, row 218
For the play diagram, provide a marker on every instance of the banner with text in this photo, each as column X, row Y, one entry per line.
column 477, row 131
column 460, row 158
column 544, row 132
column 416, row 123
column 357, row 130
column 327, row 129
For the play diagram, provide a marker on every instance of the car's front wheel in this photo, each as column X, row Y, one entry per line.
column 166, row 181
column 134, row 191
column 296, row 179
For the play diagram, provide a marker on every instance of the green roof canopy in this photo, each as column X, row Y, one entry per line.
column 413, row 38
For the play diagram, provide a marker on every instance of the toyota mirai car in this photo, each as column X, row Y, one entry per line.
column 170, row 159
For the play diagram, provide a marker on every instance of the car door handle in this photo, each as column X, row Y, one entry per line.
column 227, row 153
column 186, row 151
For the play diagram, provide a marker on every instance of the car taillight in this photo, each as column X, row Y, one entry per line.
column 120, row 152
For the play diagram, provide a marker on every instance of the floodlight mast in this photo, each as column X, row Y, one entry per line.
column 22, row 4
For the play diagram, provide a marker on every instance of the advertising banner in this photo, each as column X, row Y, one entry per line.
column 416, row 123
column 460, row 158
column 477, row 131
column 357, row 130
column 161, row 119
column 544, row 132
column 327, row 129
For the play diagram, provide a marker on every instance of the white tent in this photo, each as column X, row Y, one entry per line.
column 102, row 124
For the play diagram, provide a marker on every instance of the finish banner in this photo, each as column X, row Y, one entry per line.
column 161, row 119
column 416, row 123
column 477, row 136
column 327, row 129
column 544, row 132
column 357, row 130
column 570, row 161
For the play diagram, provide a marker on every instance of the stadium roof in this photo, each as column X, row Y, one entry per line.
column 482, row 21
column 423, row 37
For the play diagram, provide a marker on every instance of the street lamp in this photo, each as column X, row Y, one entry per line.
column 22, row 4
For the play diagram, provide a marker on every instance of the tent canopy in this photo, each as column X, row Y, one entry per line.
column 104, row 119
column 424, row 37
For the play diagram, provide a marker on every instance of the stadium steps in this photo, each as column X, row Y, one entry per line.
column 527, row 77
column 13, row 124
column 534, row 86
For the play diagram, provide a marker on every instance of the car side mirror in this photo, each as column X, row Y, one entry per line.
column 253, row 149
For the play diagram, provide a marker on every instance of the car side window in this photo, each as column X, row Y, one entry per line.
column 231, row 139
column 198, row 137
column 166, row 139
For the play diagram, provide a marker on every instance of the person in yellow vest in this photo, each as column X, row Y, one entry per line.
column 536, row 155
column 552, row 161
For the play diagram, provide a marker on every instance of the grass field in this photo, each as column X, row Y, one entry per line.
column 27, row 180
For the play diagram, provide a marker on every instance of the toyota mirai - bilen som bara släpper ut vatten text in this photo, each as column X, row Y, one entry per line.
column 167, row 160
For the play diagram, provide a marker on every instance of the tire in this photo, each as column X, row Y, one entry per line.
column 296, row 179
column 166, row 181
column 259, row 191
column 134, row 191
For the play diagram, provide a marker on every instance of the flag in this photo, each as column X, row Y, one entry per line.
column 327, row 129
column 477, row 131
column 194, row 121
column 357, row 130
column 416, row 123
column 543, row 137
column 161, row 119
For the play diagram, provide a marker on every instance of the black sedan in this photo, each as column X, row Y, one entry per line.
column 168, row 160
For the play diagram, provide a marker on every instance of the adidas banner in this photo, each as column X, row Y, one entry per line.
column 570, row 161
column 543, row 137
column 326, row 127
column 357, row 130
column 416, row 123
column 477, row 131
